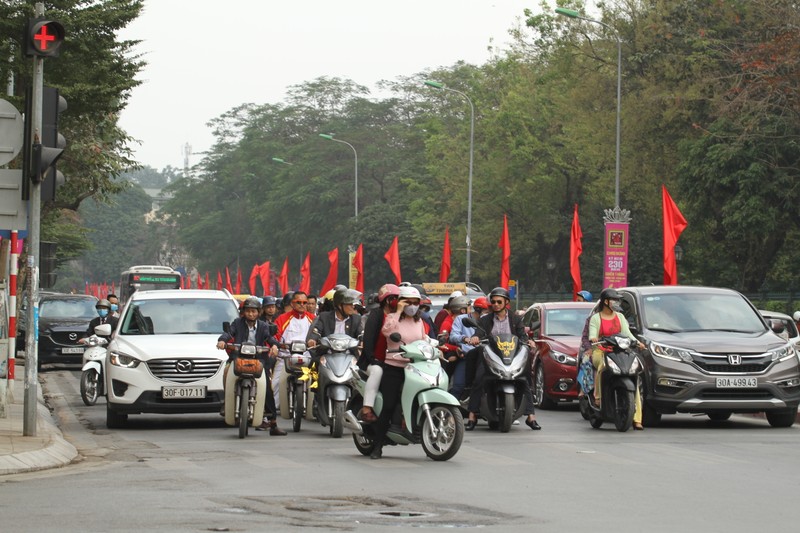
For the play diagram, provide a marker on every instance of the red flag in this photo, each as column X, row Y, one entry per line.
column 283, row 279
column 575, row 251
column 444, row 270
column 228, row 281
column 505, row 255
column 392, row 257
column 208, row 282
column 188, row 281
column 358, row 264
column 199, row 281
column 674, row 224
column 238, row 280
column 305, row 274
column 263, row 273
column 333, row 272
column 219, row 280
column 253, row 279
column 113, row 290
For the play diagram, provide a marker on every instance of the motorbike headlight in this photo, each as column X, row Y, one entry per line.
column 248, row 349
column 670, row 352
column 783, row 353
column 635, row 365
column 623, row 342
column 613, row 366
column 122, row 360
column 427, row 351
column 564, row 359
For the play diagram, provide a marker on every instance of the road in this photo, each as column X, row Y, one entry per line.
column 190, row 473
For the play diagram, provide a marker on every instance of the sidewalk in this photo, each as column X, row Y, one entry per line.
column 47, row 449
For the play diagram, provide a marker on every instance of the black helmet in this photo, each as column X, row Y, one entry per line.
column 251, row 303
column 500, row 291
column 103, row 303
column 345, row 296
column 269, row 300
column 458, row 303
column 609, row 294
column 287, row 298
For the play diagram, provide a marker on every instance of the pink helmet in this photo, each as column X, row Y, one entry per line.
column 390, row 289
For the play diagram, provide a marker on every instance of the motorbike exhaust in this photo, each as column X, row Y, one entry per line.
column 352, row 423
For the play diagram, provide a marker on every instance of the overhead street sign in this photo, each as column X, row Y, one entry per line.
column 11, row 131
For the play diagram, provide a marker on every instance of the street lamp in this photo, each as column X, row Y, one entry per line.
column 574, row 14
column 331, row 138
column 279, row 160
column 438, row 85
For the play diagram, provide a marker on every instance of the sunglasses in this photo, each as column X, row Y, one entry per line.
column 498, row 302
column 301, row 302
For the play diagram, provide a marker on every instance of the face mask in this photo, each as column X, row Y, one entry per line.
column 615, row 306
column 103, row 312
column 114, row 307
column 411, row 310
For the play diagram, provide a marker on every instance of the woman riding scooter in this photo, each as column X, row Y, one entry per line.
column 607, row 320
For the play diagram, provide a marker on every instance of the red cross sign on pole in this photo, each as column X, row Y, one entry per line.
column 44, row 38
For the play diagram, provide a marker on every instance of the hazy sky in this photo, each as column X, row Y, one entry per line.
column 208, row 56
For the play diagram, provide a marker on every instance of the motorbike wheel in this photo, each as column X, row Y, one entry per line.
column 442, row 440
column 363, row 444
column 297, row 410
column 583, row 405
column 623, row 408
column 337, row 421
column 595, row 420
column 244, row 397
column 508, row 413
column 90, row 386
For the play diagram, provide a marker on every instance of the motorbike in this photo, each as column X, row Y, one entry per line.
column 295, row 383
column 427, row 414
column 333, row 390
column 620, row 379
column 507, row 369
column 94, row 362
column 245, row 387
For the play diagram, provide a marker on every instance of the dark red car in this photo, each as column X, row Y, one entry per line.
column 556, row 328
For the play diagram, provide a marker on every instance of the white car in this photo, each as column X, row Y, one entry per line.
column 163, row 356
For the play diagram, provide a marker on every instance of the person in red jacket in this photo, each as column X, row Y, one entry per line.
column 292, row 326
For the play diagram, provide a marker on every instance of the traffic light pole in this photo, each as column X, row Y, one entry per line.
column 34, row 215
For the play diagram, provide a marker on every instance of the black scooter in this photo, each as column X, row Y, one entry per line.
column 620, row 379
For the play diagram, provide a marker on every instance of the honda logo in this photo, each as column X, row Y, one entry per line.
column 183, row 366
column 735, row 359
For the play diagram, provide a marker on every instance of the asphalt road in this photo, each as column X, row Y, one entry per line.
column 191, row 473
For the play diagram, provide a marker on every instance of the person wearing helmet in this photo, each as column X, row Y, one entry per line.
column 286, row 303
column 326, row 303
column 104, row 316
column 373, row 350
column 292, row 326
column 583, row 296
column 608, row 320
column 269, row 309
column 342, row 319
column 796, row 318
column 445, row 311
column 460, row 305
column 498, row 320
column 458, row 335
column 407, row 322
column 249, row 328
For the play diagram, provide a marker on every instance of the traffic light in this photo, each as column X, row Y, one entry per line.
column 43, row 38
column 47, row 264
column 52, row 146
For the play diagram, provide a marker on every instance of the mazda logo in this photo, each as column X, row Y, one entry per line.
column 73, row 336
column 735, row 359
column 184, row 366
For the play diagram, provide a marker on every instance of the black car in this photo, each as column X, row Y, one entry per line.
column 63, row 319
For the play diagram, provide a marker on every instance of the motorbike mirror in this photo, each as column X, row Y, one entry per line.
column 226, row 327
column 469, row 321
column 273, row 329
column 395, row 337
column 103, row 330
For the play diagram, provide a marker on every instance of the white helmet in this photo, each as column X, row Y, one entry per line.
column 455, row 293
column 409, row 292
column 796, row 316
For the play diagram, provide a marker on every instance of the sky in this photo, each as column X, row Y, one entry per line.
column 206, row 57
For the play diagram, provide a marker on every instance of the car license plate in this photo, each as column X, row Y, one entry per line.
column 182, row 393
column 737, row 383
column 74, row 349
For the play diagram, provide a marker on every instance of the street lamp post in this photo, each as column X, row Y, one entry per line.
column 331, row 138
column 438, row 85
column 281, row 161
column 574, row 14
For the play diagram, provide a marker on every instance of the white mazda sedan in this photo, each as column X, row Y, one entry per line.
column 163, row 357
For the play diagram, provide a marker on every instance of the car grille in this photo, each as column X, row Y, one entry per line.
column 720, row 363
column 63, row 337
column 183, row 370
column 741, row 394
column 733, row 369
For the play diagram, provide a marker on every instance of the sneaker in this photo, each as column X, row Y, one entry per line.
column 377, row 452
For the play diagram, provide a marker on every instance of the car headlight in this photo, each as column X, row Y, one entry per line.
column 564, row 359
column 783, row 353
column 122, row 360
column 670, row 352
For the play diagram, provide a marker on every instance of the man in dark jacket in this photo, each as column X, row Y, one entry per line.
column 104, row 316
column 343, row 319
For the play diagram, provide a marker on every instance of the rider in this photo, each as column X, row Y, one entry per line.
column 607, row 320
column 343, row 319
column 104, row 316
column 407, row 322
column 292, row 326
column 458, row 306
column 458, row 333
column 249, row 328
column 113, row 299
column 583, row 296
column 498, row 321
column 269, row 309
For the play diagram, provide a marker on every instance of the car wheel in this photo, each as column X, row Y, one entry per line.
column 783, row 418
column 114, row 419
column 540, row 399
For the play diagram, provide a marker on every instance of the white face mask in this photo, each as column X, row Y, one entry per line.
column 411, row 310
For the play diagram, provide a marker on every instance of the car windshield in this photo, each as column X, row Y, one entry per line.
column 68, row 308
column 177, row 316
column 566, row 322
column 679, row 312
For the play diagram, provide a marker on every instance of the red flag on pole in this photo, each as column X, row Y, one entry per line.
column 199, row 281
column 238, row 280
column 283, row 279
column 305, row 274
column 575, row 250
column 253, row 279
column 228, row 281
column 219, row 280
column 358, row 264
column 263, row 273
column 505, row 255
column 674, row 224
column 188, row 281
column 444, row 270
column 392, row 257
column 208, row 282
column 333, row 271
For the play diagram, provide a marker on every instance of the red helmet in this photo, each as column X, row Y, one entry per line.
column 390, row 289
column 481, row 303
